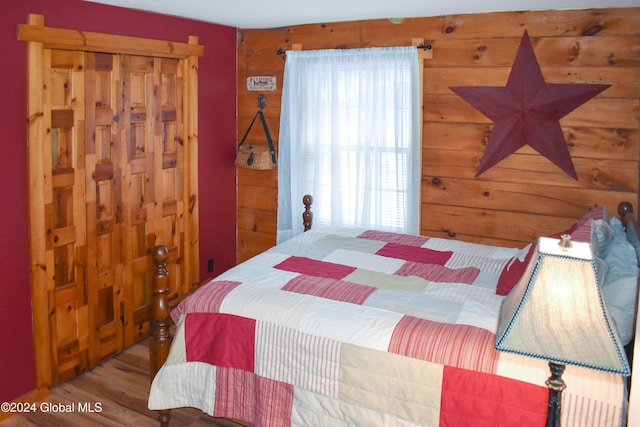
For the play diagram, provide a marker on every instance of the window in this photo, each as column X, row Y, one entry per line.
column 349, row 135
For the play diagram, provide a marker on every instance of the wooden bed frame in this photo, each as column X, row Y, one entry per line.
column 161, row 322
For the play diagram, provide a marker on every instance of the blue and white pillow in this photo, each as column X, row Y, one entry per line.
column 619, row 287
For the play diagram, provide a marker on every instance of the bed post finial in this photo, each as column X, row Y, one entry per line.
column 624, row 209
column 627, row 217
column 307, row 215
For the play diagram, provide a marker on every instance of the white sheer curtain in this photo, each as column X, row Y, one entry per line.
column 350, row 137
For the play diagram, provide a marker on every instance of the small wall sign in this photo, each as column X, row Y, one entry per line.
column 258, row 83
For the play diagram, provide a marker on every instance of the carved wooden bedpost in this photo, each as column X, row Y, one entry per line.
column 159, row 320
column 307, row 215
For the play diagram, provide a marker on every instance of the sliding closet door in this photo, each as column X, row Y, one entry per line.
column 152, row 169
column 112, row 147
column 116, row 189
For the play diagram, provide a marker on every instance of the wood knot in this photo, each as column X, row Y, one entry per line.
column 451, row 234
column 622, row 133
column 575, row 51
column 592, row 30
column 449, row 30
column 485, row 194
column 436, row 181
column 482, row 48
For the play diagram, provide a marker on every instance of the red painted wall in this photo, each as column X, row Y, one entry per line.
column 217, row 110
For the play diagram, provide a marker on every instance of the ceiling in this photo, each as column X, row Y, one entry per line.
column 279, row 13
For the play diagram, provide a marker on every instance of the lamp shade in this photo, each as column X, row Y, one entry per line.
column 556, row 312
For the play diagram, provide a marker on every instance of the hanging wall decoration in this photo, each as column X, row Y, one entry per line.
column 527, row 111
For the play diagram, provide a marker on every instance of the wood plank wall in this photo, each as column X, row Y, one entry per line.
column 525, row 195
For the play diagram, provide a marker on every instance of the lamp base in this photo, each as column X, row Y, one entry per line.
column 556, row 385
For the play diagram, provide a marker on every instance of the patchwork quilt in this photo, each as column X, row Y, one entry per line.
column 366, row 328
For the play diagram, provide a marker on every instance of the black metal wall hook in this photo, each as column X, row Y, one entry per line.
column 262, row 101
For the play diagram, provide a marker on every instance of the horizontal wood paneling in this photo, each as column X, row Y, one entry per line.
column 598, row 112
column 524, row 195
column 620, row 144
column 438, row 80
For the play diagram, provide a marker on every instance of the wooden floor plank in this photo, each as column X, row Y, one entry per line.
column 120, row 386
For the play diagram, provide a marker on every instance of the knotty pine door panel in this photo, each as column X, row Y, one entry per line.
column 153, row 170
column 104, row 204
column 64, row 213
column 116, row 189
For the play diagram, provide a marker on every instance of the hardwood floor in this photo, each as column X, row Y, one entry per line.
column 117, row 391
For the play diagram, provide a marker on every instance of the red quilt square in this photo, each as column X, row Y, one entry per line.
column 391, row 237
column 439, row 273
column 314, row 267
column 471, row 398
column 411, row 253
column 220, row 339
column 463, row 346
column 337, row 290
column 245, row 396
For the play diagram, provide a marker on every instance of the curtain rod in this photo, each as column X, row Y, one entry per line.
column 426, row 46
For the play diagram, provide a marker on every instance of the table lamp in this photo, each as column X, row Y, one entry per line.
column 556, row 312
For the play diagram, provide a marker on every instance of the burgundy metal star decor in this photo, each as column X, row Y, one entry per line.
column 527, row 111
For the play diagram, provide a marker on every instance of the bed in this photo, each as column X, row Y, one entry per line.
column 372, row 328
